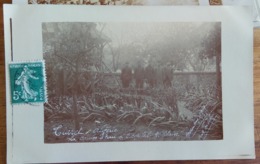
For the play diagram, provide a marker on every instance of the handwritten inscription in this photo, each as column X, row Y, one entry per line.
column 108, row 133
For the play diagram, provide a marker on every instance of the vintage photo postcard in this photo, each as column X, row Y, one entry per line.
column 138, row 2
column 132, row 81
column 161, row 86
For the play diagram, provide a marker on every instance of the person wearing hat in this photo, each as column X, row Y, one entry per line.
column 168, row 75
column 126, row 75
column 150, row 75
column 159, row 75
column 139, row 76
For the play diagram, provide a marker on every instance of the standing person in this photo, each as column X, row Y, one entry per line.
column 168, row 75
column 126, row 75
column 149, row 72
column 159, row 75
column 139, row 76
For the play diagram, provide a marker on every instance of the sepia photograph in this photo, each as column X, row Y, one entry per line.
column 132, row 81
column 117, row 2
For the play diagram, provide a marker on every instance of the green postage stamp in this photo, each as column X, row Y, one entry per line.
column 27, row 82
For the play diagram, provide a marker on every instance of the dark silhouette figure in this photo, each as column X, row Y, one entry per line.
column 139, row 76
column 149, row 73
column 159, row 75
column 126, row 75
column 168, row 75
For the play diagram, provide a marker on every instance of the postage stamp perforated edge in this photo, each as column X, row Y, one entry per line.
column 43, row 81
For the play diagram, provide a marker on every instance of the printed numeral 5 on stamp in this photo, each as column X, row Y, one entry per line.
column 27, row 82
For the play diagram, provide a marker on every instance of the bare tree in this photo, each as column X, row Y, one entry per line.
column 77, row 46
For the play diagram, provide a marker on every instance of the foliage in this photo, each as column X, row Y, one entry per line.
column 84, row 88
column 75, row 47
column 151, row 109
column 187, row 46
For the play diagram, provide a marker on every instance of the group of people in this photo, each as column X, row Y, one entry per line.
column 151, row 76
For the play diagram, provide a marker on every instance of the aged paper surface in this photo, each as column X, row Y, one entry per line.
column 31, row 127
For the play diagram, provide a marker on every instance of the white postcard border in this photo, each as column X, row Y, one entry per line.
column 26, row 141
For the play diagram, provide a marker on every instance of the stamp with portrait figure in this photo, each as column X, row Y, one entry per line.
column 27, row 82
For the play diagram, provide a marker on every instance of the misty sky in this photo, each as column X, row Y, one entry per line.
column 138, row 32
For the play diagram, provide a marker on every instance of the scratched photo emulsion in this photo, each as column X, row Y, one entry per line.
column 132, row 81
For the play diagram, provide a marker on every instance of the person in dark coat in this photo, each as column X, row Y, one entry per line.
column 126, row 75
column 139, row 76
column 159, row 75
column 167, row 76
column 149, row 73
